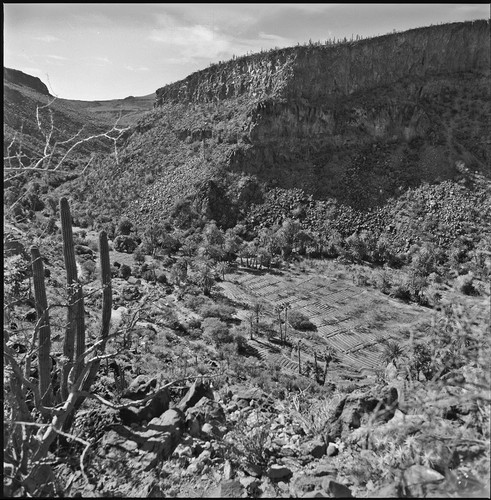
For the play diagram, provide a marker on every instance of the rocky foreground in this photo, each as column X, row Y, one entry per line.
column 239, row 442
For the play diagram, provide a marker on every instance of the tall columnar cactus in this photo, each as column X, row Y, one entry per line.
column 74, row 343
column 106, row 318
column 43, row 327
column 83, row 374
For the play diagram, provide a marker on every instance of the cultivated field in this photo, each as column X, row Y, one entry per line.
column 356, row 321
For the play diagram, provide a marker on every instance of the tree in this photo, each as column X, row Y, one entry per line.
column 22, row 165
column 392, row 352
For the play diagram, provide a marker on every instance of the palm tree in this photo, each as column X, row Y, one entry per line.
column 392, row 352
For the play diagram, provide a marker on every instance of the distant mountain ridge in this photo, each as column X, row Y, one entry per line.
column 20, row 78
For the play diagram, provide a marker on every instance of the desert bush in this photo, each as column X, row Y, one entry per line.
column 162, row 278
column 217, row 331
column 125, row 227
column 465, row 284
column 248, row 441
column 299, row 321
column 383, row 281
column 138, row 255
column 221, row 311
column 401, row 290
column 124, row 271
column 125, row 244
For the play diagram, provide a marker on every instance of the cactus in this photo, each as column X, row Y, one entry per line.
column 74, row 343
column 44, row 330
column 106, row 318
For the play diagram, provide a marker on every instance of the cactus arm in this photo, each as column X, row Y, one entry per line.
column 75, row 331
column 44, row 360
column 106, row 318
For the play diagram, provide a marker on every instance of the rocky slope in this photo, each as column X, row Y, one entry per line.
column 359, row 122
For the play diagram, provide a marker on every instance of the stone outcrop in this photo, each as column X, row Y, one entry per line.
column 316, row 73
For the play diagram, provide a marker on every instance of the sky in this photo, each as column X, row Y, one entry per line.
column 111, row 51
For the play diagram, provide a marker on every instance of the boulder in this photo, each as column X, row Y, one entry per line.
column 336, row 490
column 145, row 448
column 227, row 489
column 279, row 473
column 197, row 391
column 83, row 250
column 332, row 450
column 314, row 447
column 154, row 407
column 139, row 388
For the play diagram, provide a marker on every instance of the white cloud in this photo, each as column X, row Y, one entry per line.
column 56, row 57
column 47, row 38
column 140, row 68
column 193, row 42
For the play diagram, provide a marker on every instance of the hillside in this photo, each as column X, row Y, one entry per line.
column 358, row 123
column 23, row 94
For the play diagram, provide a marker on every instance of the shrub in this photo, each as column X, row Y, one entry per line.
column 124, row 271
column 465, row 285
column 139, row 256
column 299, row 321
column 401, row 291
column 125, row 244
column 162, row 279
column 124, row 227
column 217, row 330
column 221, row 311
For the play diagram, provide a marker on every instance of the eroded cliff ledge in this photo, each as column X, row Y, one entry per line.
column 319, row 73
column 359, row 122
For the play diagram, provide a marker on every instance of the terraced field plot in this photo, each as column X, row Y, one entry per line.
column 353, row 320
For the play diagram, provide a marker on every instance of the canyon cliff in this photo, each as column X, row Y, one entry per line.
column 357, row 121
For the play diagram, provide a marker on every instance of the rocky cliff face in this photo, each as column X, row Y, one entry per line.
column 320, row 73
column 360, row 121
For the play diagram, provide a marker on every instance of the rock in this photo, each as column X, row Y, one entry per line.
column 250, row 394
column 227, row 489
column 314, row 447
column 197, row 391
column 210, row 431
column 30, row 315
column 253, row 470
column 83, row 250
column 302, row 483
column 387, row 491
column 139, row 388
column 227, row 470
column 207, row 410
column 390, row 372
column 154, row 407
column 316, row 494
column 147, row 447
column 332, row 450
column 418, row 474
column 337, row 490
column 12, row 246
column 323, row 469
column 279, row 472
